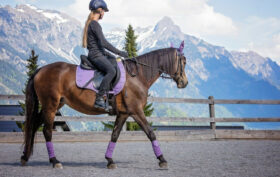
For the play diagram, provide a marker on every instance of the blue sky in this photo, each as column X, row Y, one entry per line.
column 239, row 9
column 235, row 24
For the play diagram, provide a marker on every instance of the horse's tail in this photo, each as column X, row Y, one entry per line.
column 32, row 116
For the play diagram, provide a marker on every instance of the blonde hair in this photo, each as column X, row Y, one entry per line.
column 90, row 18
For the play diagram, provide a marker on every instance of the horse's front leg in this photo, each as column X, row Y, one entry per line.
column 143, row 123
column 120, row 120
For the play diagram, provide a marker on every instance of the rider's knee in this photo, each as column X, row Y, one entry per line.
column 113, row 71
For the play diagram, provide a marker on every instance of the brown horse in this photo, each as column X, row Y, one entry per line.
column 54, row 85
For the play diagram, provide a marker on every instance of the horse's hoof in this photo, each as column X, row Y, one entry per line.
column 163, row 165
column 112, row 166
column 58, row 166
column 23, row 162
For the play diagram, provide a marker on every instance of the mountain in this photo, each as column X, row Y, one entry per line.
column 211, row 70
column 257, row 66
column 55, row 36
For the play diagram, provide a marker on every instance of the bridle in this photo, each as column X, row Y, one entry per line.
column 180, row 69
column 164, row 74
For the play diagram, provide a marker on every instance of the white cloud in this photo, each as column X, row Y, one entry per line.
column 25, row 1
column 263, row 35
column 194, row 17
column 271, row 48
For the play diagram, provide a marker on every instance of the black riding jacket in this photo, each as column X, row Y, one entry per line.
column 96, row 42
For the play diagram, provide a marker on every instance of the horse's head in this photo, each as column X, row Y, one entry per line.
column 180, row 76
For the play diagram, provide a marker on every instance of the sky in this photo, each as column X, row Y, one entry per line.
column 240, row 25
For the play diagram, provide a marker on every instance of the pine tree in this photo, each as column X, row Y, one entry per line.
column 31, row 68
column 32, row 64
column 130, row 42
column 131, row 49
column 148, row 109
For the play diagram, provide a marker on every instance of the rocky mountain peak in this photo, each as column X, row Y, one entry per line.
column 164, row 22
column 55, row 35
column 166, row 28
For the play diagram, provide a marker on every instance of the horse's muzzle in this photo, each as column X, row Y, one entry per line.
column 182, row 84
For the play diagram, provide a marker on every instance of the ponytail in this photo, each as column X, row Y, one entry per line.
column 85, row 35
column 90, row 18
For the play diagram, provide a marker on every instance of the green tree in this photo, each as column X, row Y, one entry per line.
column 148, row 109
column 130, row 42
column 31, row 66
column 131, row 48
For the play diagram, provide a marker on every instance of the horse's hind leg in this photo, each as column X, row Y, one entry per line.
column 49, row 109
column 37, row 124
column 120, row 120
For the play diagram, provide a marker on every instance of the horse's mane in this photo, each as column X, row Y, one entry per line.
column 160, row 59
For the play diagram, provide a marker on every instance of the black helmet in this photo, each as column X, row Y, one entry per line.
column 95, row 4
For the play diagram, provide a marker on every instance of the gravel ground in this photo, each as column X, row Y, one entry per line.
column 235, row 158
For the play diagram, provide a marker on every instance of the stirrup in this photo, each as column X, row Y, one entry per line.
column 108, row 107
column 104, row 106
column 100, row 105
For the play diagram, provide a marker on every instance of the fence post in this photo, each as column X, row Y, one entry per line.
column 212, row 112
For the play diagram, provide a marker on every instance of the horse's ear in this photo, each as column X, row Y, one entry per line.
column 182, row 45
column 171, row 45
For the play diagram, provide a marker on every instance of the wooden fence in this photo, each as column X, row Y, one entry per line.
column 213, row 133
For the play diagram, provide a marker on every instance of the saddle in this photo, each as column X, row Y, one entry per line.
column 88, row 77
column 98, row 75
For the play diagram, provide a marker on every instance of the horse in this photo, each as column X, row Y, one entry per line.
column 54, row 85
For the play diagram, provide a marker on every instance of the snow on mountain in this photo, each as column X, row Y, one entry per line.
column 257, row 66
column 53, row 35
column 166, row 32
column 211, row 70
column 51, row 14
column 116, row 37
column 152, row 37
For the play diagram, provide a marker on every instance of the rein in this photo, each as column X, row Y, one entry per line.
column 164, row 74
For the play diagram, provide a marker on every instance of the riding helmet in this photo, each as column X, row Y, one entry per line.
column 95, row 4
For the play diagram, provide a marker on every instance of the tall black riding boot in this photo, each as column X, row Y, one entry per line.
column 100, row 102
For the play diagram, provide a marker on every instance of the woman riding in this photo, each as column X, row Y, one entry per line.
column 95, row 42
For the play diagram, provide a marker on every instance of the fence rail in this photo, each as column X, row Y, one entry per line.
column 178, row 100
column 212, row 120
column 151, row 119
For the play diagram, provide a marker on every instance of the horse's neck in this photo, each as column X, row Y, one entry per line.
column 148, row 82
column 152, row 81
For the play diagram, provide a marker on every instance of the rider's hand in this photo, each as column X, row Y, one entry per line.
column 123, row 54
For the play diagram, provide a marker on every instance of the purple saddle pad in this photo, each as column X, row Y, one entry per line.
column 84, row 76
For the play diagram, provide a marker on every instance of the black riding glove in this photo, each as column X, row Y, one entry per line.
column 123, row 54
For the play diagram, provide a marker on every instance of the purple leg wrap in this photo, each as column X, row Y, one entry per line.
column 110, row 149
column 156, row 148
column 50, row 149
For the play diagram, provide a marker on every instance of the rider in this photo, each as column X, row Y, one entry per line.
column 96, row 43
